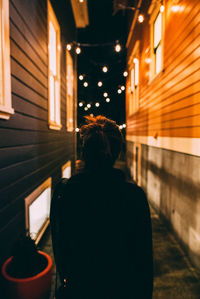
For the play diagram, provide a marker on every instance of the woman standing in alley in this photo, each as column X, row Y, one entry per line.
column 101, row 227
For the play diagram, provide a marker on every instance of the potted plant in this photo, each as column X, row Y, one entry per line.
column 27, row 273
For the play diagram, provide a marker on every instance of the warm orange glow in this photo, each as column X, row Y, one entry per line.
column 100, row 83
column 140, row 18
column 70, row 86
column 125, row 74
column 118, row 48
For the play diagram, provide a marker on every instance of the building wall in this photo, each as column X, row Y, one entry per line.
column 30, row 152
column 167, row 123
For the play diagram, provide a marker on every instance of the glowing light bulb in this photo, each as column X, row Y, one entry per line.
column 162, row 8
column 85, row 84
column 69, row 47
column 125, row 74
column 105, row 69
column 121, row 127
column 89, row 106
column 122, row 87
column 118, row 48
column 100, row 83
column 81, row 77
column 119, row 91
column 140, row 18
column 81, row 1
column 80, row 104
column 78, row 50
column 97, row 104
column 105, row 94
column 175, row 8
column 77, row 130
column 86, row 108
column 108, row 100
column 124, row 125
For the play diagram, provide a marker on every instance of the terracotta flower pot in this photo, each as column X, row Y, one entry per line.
column 35, row 287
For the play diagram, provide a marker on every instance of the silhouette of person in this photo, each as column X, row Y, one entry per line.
column 101, row 227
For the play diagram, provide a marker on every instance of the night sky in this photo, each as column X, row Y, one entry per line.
column 101, row 35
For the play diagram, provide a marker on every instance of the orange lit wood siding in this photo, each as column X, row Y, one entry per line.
column 170, row 104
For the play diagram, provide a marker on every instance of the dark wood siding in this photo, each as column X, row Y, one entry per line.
column 29, row 151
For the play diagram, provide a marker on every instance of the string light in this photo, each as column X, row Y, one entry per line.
column 81, row 77
column 105, row 69
column 118, row 47
column 89, row 106
column 78, row 50
column 80, row 104
column 69, row 47
column 105, row 94
column 162, row 8
column 124, row 125
column 85, row 84
column 100, row 83
column 97, row 104
column 122, row 87
column 125, row 74
column 108, row 100
column 77, row 130
column 81, row 1
column 121, row 127
column 119, row 91
column 86, row 108
column 140, row 18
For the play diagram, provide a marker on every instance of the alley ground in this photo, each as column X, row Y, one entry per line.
column 174, row 278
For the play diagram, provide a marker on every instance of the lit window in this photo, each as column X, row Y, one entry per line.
column 54, row 69
column 134, row 96
column 37, row 209
column 157, row 43
column 70, row 85
column 5, row 78
column 156, row 23
column 66, row 170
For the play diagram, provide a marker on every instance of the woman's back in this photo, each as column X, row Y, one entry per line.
column 103, row 238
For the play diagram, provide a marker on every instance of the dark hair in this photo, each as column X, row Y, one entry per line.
column 101, row 142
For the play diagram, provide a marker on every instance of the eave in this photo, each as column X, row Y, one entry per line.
column 80, row 11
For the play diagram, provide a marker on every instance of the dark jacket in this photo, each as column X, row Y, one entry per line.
column 102, row 239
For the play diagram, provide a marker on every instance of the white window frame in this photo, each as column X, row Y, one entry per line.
column 5, row 75
column 65, row 167
column 54, row 106
column 29, row 200
column 154, row 12
column 70, row 92
column 134, row 80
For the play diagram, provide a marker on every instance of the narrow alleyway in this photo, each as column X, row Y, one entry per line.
column 174, row 278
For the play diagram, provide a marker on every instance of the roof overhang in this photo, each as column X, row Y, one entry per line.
column 80, row 11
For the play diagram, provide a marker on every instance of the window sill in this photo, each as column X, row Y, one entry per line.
column 156, row 76
column 54, row 126
column 6, row 112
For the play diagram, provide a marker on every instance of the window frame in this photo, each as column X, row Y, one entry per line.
column 134, row 88
column 154, row 12
column 6, row 109
column 69, row 96
column 30, row 199
column 54, row 124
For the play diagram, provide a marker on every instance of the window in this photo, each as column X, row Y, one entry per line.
column 134, row 80
column 54, row 69
column 5, row 78
column 157, row 28
column 70, row 85
column 156, row 23
column 37, row 209
column 66, row 170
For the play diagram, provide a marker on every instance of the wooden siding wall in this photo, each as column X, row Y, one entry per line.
column 29, row 151
column 170, row 104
